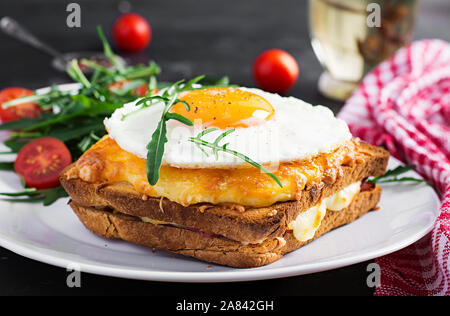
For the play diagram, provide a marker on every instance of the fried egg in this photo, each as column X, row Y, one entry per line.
column 268, row 128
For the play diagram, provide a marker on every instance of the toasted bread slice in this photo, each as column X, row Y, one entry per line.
column 234, row 222
column 213, row 248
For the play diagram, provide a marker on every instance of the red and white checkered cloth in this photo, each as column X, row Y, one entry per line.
column 404, row 105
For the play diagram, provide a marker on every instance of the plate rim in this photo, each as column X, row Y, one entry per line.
column 235, row 275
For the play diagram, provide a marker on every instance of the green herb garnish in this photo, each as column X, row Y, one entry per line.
column 73, row 116
column 392, row 176
column 48, row 196
column 216, row 148
column 76, row 117
column 109, row 53
column 7, row 166
column 156, row 146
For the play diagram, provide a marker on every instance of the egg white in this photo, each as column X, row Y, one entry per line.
column 297, row 131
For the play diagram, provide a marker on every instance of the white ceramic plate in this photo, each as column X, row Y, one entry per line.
column 54, row 235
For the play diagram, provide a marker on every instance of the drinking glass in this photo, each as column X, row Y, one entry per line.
column 350, row 37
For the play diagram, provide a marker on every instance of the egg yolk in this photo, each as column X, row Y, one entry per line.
column 224, row 108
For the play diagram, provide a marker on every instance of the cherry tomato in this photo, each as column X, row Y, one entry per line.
column 139, row 91
column 28, row 110
column 275, row 70
column 132, row 32
column 41, row 161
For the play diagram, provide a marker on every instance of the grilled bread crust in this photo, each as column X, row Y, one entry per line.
column 236, row 222
column 215, row 249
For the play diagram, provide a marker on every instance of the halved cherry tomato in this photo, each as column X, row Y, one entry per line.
column 41, row 161
column 24, row 110
column 132, row 33
column 275, row 70
column 139, row 91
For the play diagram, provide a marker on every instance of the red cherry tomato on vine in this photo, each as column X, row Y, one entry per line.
column 41, row 161
column 275, row 70
column 132, row 33
column 24, row 110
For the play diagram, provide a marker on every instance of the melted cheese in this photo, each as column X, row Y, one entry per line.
column 153, row 221
column 106, row 162
column 343, row 198
column 306, row 224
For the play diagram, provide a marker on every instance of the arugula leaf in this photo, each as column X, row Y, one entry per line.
column 156, row 146
column 127, row 87
column 108, row 51
column 20, row 134
column 393, row 173
column 156, row 151
column 75, row 72
column 34, row 98
column 190, row 84
column 91, row 64
column 215, row 82
column 142, row 71
column 48, row 196
column 403, row 179
column 26, row 192
column 25, row 123
column 179, row 118
column 88, row 141
column 94, row 107
column 7, row 166
column 223, row 148
column 15, row 145
column 69, row 132
column 152, row 84
column 24, row 200
column 397, row 171
column 52, row 195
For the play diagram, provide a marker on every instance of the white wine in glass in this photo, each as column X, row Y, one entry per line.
column 348, row 43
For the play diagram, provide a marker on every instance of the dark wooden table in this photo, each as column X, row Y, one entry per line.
column 190, row 37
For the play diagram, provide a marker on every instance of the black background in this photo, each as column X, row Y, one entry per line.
column 190, row 37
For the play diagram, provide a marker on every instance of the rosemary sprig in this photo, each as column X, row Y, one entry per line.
column 216, row 148
column 392, row 176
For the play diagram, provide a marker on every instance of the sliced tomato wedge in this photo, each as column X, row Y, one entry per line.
column 41, row 161
column 24, row 110
column 139, row 91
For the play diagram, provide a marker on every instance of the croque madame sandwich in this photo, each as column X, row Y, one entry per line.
column 233, row 176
